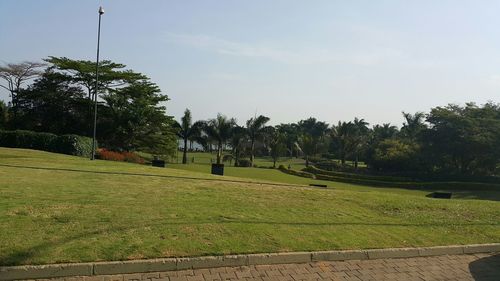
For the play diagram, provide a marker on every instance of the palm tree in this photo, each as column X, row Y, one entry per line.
column 413, row 125
column 237, row 142
column 361, row 137
column 315, row 129
column 219, row 129
column 186, row 131
column 384, row 131
column 255, row 130
column 290, row 133
column 307, row 145
column 275, row 141
column 343, row 135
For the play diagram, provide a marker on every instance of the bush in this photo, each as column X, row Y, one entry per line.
column 296, row 173
column 244, row 163
column 73, row 145
column 66, row 144
column 130, row 157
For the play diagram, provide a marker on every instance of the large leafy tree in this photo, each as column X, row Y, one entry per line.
column 83, row 73
column 219, row 129
column 463, row 140
column 51, row 104
column 187, row 130
column 4, row 115
column 256, row 130
column 15, row 75
column 134, row 118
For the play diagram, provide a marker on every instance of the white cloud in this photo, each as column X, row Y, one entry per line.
column 304, row 56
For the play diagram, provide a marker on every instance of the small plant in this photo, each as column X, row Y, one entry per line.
column 130, row 157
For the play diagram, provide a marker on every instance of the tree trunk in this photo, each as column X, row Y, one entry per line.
column 184, row 152
column 251, row 151
column 356, row 162
column 274, row 163
column 219, row 153
column 307, row 160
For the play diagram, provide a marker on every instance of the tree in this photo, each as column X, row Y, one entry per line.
column 255, row 130
column 51, row 104
column 395, row 155
column 186, row 130
column 82, row 72
column 4, row 115
column 275, row 141
column 16, row 74
column 134, row 118
column 290, row 134
column 307, row 145
column 413, row 125
column 237, row 142
column 343, row 135
column 317, row 130
column 219, row 129
column 463, row 140
column 360, row 138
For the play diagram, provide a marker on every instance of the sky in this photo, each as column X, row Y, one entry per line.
column 286, row 59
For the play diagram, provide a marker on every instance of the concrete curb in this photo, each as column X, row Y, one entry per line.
column 169, row 264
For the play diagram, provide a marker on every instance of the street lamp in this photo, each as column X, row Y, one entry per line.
column 101, row 12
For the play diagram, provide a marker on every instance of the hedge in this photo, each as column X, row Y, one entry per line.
column 394, row 182
column 296, row 173
column 317, row 171
column 66, row 144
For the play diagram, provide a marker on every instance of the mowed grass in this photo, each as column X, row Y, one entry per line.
column 57, row 208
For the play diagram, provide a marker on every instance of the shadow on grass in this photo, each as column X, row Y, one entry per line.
column 486, row 269
column 24, row 256
column 149, row 175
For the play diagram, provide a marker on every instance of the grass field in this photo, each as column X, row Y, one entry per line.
column 57, row 208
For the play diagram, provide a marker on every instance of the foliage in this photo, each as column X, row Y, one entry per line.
column 135, row 119
column 66, row 144
column 463, row 140
column 4, row 115
column 256, row 128
column 125, row 156
column 219, row 129
column 186, row 130
column 131, row 110
column 395, row 155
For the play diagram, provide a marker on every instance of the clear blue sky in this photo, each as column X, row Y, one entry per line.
column 289, row 60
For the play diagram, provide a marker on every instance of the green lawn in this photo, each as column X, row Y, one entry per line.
column 57, row 208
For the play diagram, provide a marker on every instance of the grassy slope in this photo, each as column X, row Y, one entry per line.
column 49, row 215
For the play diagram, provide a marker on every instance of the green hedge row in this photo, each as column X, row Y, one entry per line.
column 415, row 185
column 314, row 170
column 66, row 144
column 296, row 173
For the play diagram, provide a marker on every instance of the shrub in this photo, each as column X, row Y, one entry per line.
column 244, row 163
column 296, row 173
column 66, row 144
column 131, row 157
column 73, row 145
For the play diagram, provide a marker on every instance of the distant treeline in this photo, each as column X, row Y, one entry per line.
column 56, row 97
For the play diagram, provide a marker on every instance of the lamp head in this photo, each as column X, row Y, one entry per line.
column 101, row 10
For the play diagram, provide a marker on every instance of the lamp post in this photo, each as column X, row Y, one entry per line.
column 101, row 12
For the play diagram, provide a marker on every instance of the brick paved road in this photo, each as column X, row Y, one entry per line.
column 479, row 267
